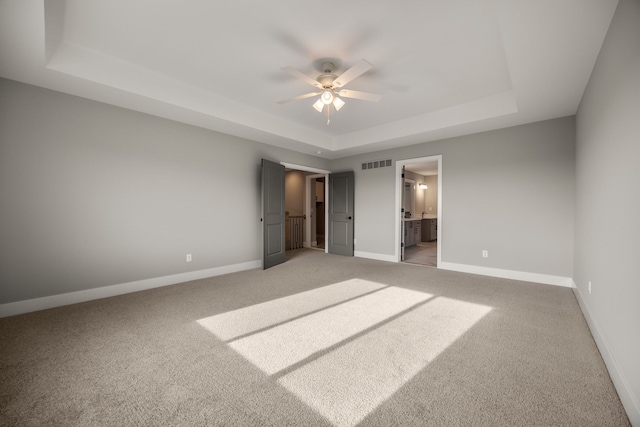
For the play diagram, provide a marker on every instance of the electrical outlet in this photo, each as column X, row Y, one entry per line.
column 188, row 257
column 485, row 254
column 354, row 241
column 589, row 287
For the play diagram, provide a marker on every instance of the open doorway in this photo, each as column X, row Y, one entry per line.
column 316, row 188
column 317, row 208
column 306, row 210
column 277, row 207
column 419, row 211
column 295, row 214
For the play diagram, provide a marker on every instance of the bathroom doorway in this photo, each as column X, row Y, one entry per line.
column 419, row 211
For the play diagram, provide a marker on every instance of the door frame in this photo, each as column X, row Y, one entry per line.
column 307, row 205
column 400, row 187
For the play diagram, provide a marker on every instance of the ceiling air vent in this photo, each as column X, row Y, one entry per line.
column 377, row 164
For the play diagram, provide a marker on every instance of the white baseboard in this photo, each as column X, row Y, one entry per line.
column 627, row 397
column 371, row 255
column 509, row 274
column 27, row 306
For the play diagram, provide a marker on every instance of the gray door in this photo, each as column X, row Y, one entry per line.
column 340, row 239
column 272, row 214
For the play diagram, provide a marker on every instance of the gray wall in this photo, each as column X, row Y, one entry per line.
column 94, row 195
column 607, row 244
column 294, row 187
column 509, row 191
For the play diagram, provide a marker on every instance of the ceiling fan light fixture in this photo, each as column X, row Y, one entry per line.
column 318, row 105
column 326, row 97
column 328, row 86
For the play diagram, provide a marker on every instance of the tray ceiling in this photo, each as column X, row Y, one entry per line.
column 444, row 68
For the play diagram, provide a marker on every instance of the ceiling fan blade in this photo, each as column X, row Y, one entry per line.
column 356, row 94
column 360, row 68
column 302, row 76
column 296, row 98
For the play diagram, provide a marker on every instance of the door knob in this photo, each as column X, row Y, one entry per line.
column 348, row 217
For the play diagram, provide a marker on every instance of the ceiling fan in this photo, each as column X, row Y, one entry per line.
column 329, row 84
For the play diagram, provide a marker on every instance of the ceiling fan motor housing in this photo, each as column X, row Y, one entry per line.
column 327, row 78
column 328, row 67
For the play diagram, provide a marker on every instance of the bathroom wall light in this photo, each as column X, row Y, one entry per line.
column 422, row 186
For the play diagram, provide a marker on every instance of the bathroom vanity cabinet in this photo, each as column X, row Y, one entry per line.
column 429, row 229
column 412, row 231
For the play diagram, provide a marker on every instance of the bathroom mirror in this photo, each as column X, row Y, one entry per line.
column 409, row 196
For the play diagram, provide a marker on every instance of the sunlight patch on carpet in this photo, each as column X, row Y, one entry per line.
column 347, row 347
column 282, row 346
column 350, row 382
column 232, row 324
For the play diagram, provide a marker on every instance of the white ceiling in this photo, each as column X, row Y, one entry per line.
column 444, row 67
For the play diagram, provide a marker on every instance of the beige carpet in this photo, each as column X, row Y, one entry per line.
column 318, row 341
